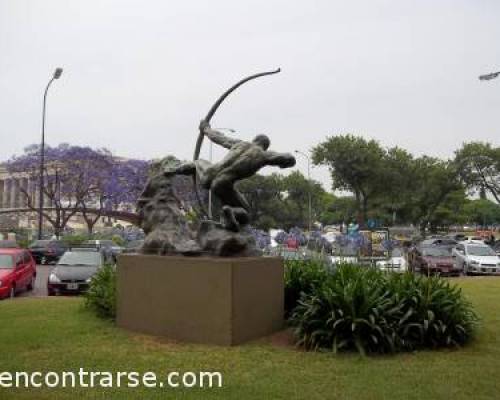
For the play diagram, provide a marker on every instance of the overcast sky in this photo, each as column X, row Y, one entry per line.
column 139, row 75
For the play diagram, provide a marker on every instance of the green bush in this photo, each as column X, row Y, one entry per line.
column 301, row 277
column 361, row 308
column 74, row 240
column 101, row 296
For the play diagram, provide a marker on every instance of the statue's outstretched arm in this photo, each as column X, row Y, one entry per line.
column 220, row 139
column 217, row 137
column 282, row 160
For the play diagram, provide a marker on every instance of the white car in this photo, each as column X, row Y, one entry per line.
column 475, row 257
column 396, row 263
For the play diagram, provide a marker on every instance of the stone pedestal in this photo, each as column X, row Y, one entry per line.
column 223, row 301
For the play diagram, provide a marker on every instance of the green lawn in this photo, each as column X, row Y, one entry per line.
column 56, row 334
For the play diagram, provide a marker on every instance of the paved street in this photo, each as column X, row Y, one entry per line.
column 42, row 273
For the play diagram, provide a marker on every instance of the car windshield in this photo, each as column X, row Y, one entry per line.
column 480, row 251
column 6, row 261
column 80, row 258
column 436, row 252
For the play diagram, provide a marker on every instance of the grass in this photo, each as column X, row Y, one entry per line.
column 57, row 334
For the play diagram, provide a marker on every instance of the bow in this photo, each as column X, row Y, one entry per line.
column 211, row 113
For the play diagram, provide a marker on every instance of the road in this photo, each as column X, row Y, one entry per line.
column 42, row 274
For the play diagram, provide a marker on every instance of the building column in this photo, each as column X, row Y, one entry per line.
column 24, row 193
column 2, row 185
column 6, row 193
column 14, row 195
column 31, row 191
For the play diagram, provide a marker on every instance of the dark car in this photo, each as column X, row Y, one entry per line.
column 74, row 271
column 17, row 271
column 110, row 248
column 47, row 251
column 433, row 259
column 8, row 244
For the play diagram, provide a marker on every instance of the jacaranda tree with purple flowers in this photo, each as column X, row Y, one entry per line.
column 79, row 179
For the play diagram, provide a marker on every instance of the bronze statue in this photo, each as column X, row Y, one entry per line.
column 244, row 159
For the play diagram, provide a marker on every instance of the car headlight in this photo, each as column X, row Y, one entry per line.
column 89, row 280
column 474, row 262
column 54, row 279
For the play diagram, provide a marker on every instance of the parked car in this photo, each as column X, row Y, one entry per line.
column 74, row 271
column 47, row 251
column 496, row 247
column 434, row 259
column 477, row 258
column 110, row 248
column 396, row 262
column 439, row 241
column 17, row 271
column 8, row 244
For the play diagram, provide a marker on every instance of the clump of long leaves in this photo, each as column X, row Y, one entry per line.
column 101, row 296
column 301, row 278
column 364, row 309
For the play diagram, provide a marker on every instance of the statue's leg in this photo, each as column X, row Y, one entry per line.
column 223, row 187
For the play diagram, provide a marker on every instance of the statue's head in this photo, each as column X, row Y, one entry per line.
column 262, row 141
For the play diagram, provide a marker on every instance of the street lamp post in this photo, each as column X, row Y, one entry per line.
column 310, row 186
column 57, row 75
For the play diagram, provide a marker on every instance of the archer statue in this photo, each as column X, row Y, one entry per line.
column 243, row 160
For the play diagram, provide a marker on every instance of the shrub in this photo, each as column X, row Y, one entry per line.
column 101, row 296
column 364, row 309
column 301, row 277
column 74, row 240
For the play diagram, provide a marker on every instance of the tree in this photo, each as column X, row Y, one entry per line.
column 356, row 165
column 479, row 167
column 78, row 180
column 282, row 201
column 433, row 180
column 482, row 212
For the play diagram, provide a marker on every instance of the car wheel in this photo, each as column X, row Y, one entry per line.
column 31, row 285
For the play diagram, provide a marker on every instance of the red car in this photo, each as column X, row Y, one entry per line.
column 433, row 260
column 17, row 271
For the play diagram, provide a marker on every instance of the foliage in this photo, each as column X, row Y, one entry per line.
column 282, row 201
column 301, row 277
column 479, row 167
column 118, row 240
column 355, row 165
column 482, row 212
column 364, row 309
column 101, row 296
column 79, row 179
column 388, row 184
column 74, row 240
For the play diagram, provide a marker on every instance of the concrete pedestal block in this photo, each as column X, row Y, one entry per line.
column 223, row 301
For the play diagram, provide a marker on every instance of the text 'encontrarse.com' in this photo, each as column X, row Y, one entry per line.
column 94, row 379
